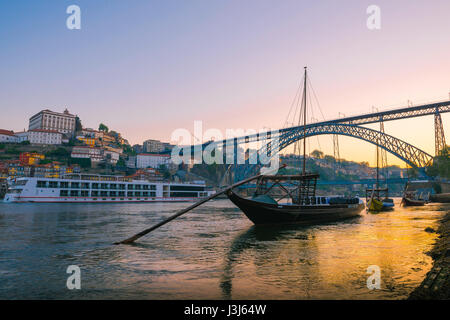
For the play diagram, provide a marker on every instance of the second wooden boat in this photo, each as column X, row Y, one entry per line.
column 377, row 200
column 408, row 202
column 411, row 199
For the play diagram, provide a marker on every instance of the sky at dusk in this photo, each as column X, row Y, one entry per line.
column 146, row 68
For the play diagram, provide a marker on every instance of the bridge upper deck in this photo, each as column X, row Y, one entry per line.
column 389, row 115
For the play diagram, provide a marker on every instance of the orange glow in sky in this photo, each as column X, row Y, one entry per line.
column 149, row 68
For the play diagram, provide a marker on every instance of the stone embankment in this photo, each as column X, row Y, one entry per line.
column 437, row 281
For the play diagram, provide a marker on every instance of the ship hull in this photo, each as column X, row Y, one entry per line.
column 266, row 213
column 375, row 205
column 412, row 203
column 101, row 189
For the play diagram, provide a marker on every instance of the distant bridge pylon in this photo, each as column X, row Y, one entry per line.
column 439, row 133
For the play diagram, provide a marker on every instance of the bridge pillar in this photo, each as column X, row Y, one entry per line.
column 235, row 148
column 236, row 172
column 336, row 153
column 439, row 135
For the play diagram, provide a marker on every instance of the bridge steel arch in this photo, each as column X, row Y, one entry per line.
column 389, row 115
column 411, row 155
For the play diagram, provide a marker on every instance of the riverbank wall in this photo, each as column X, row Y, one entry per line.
column 436, row 285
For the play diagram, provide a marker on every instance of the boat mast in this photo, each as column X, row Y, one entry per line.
column 304, row 124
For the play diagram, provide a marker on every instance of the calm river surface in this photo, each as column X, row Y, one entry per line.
column 213, row 252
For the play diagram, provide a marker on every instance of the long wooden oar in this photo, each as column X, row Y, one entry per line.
column 181, row 212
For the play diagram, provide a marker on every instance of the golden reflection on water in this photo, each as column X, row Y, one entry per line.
column 216, row 253
column 330, row 262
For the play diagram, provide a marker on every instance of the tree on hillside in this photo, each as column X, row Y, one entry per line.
column 412, row 172
column 103, row 128
column 58, row 153
column 445, row 152
column 78, row 125
column 82, row 162
column 317, row 154
column 128, row 150
column 329, row 159
column 165, row 171
column 441, row 165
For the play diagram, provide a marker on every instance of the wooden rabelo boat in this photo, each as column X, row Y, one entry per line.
column 377, row 200
column 408, row 202
column 297, row 202
column 413, row 196
column 411, row 199
column 296, row 197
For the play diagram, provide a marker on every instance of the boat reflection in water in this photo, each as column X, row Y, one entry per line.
column 329, row 261
column 244, row 247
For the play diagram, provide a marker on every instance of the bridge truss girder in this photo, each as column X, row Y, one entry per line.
column 390, row 115
column 411, row 155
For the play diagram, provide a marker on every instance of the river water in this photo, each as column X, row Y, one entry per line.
column 214, row 252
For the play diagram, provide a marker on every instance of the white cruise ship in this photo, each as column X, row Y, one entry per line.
column 86, row 188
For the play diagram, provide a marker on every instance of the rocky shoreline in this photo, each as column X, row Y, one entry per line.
column 436, row 284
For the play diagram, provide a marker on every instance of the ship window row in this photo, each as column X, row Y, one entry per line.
column 88, row 185
column 186, row 188
column 85, row 193
column 184, row 194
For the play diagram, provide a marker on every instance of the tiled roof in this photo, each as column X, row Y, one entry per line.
column 6, row 132
column 53, row 112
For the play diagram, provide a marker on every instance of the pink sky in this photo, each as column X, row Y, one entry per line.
column 149, row 68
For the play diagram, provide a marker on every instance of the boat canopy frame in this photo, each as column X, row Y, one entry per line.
column 377, row 193
column 304, row 186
